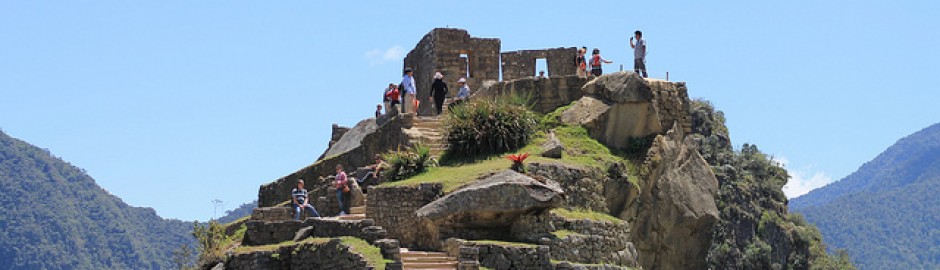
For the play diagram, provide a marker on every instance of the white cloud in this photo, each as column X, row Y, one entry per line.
column 803, row 180
column 378, row 56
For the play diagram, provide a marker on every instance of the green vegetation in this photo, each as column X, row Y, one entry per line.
column 585, row 214
column 487, row 126
column 581, row 150
column 274, row 247
column 372, row 253
column 403, row 164
column 564, row 233
column 750, row 192
column 54, row 216
column 503, row 243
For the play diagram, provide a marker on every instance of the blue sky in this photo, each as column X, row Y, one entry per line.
column 172, row 104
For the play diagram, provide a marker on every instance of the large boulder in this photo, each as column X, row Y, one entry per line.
column 494, row 201
column 675, row 213
column 615, row 109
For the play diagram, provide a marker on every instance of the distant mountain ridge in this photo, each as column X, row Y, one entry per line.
column 56, row 217
column 886, row 214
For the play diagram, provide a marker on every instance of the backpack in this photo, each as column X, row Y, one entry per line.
column 596, row 60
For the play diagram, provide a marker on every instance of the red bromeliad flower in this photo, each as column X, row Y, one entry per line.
column 517, row 160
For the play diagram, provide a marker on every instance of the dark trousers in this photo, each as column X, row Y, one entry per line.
column 439, row 101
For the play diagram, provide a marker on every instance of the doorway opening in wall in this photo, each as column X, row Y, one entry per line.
column 465, row 59
column 541, row 67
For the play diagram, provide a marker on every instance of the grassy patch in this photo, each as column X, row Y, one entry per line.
column 584, row 214
column 564, row 233
column 372, row 253
column 273, row 247
column 503, row 243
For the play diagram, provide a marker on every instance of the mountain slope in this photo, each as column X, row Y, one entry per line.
column 56, row 217
column 886, row 214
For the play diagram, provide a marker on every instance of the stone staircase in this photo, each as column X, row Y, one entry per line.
column 356, row 212
column 427, row 260
column 428, row 131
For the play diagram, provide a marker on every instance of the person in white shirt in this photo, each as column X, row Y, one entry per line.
column 639, row 53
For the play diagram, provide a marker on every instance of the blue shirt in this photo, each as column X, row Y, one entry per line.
column 408, row 83
column 463, row 92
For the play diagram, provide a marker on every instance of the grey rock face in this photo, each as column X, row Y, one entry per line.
column 615, row 109
column 495, row 200
column 552, row 148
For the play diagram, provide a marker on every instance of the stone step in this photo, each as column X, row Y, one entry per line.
column 353, row 216
column 407, row 253
column 431, row 265
column 428, row 259
column 357, row 210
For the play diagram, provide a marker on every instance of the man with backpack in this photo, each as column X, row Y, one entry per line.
column 639, row 53
column 300, row 201
column 596, row 61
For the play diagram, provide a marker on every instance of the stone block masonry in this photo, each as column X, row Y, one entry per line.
column 394, row 209
column 272, row 232
column 672, row 103
column 320, row 254
column 521, row 64
column 544, row 94
column 455, row 54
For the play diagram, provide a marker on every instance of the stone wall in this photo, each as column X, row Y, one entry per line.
column 521, row 64
column 592, row 241
column 329, row 254
column 260, row 232
column 394, row 208
column 361, row 143
column 545, row 94
column 672, row 103
column 501, row 255
column 440, row 51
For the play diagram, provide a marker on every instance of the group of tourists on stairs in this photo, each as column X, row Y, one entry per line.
column 300, row 198
column 404, row 94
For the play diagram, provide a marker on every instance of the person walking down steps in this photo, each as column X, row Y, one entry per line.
column 639, row 53
column 438, row 92
column 300, row 201
column 596, row 61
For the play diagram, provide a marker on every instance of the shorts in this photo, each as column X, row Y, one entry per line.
column 639, row 64
column 596, row 71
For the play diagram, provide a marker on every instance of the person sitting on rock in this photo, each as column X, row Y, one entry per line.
column 301, row 202
column 372, row 178
column 463, row 92
column 342, row 189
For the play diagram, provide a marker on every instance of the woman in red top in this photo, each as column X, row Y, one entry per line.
column 342, row 189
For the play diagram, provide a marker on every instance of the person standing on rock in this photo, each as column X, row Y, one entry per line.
column 438, row 92
column 341, row 183
column 580, row 63
column 639, row 53
column 596, row 61
column 300, row 201
column 408, row 90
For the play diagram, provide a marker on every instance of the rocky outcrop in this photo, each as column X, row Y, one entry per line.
column 494, row 201
column 620, row 107
column 552, row 148
column 675, row 212
column 355, row 148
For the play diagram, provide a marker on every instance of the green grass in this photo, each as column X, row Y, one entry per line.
column 503, row 243
column 372, row 253
column 273, row 247
column 584, row 214
column 580, row 150
column 564, row 233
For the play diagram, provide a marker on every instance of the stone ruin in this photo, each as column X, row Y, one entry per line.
column 456, row 54
column 613, row 108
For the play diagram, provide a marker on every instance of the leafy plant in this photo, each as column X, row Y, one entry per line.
column 517, row 162
column 489, row 126
column 210, row 240
column 403, row 164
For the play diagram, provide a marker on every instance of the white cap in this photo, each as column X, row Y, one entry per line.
column 462, row 80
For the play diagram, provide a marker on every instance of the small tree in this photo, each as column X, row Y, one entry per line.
column 209, row 241
column 184, row 257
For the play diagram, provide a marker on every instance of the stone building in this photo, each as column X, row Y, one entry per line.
column 521, row 64
column 455, row 54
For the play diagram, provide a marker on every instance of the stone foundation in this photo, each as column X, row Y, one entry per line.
column 272, row 232
column 327, row 254
column 545, row 93
column 394, row 208
column 500, row 255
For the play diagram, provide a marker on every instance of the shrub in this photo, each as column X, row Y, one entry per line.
column 517, row 162
column 489, row 126
column 403, row 164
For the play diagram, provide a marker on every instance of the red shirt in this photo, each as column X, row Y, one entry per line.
column 340, row 179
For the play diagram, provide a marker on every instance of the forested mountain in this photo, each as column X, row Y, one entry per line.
column 886, row 214
column 56, row 217
column 241, row 211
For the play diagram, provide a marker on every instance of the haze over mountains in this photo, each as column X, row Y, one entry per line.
column 56, row 217
column 886, row 214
